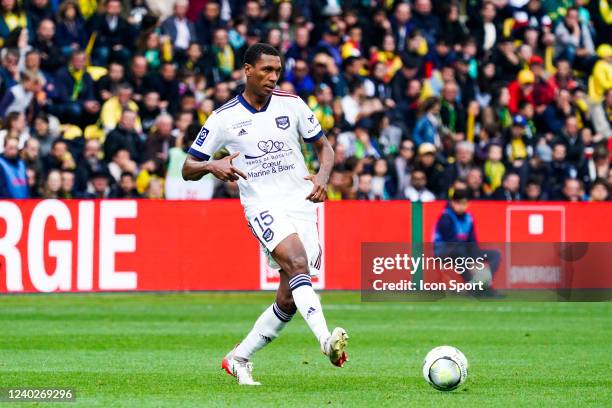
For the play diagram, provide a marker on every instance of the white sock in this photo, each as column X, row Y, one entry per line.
column 266, row 328
column 309, row 305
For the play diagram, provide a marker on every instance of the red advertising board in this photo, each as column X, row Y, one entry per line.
column 128, row 245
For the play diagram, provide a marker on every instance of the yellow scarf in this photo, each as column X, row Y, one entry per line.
column 519, row 150
column 13, row 20
column 77, row 75
column 494, row 173
column 225, row 57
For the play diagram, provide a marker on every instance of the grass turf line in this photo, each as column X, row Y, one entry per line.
column 135, row 350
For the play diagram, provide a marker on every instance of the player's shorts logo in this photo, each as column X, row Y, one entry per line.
column 268, row 235
column 201, row 136
column 282, row 122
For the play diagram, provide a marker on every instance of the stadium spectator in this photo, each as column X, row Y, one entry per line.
column 382, row 185
column 180, row 30
column 510, row 188
column 573, row 37
column 455, row 236
column 88, row 163
column 166, row 84
column 484, row 29
column 115, row 105
column 475, row 184
column 149, row 109
column 59, row 157
column 124, row 136
column 52, row 185
column 13, row 175
column 526, row 77
column 75, row 93
column 299, row 76
column 417, row 190
column 67, row 188
column 563, row 78
column 15, row 127
column 71, row 34
column 30, row 154
column 359, row 143
column 114, row 36
column 43, row 132
column 426, row 128
column 572, row 191
column 155, row 188
column 45, row 42
column 600, row 191
column 300, row 49
column 494, row 168
column 208, row 21
column 464, row 154
column 121, row 163
column 98, row 186
column 138, row 78
column 518, row 147
column 38, row 10
column 9, row 70
column 364, row 188
column 159, row 142
column 108, row 85
column 126, row 187
column 431, row 165
column 32, row 63
column 19, row 97
column 12, row 17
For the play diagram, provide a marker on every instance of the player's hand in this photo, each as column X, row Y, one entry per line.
column 224, row 170
column 318, row 193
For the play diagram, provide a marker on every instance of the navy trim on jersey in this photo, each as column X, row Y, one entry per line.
column 278, row 92
column 230, row 104
column 314, row 138
column 197, row 154
column 251, row 108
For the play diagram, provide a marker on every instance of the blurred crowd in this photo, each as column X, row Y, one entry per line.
column 509, row 99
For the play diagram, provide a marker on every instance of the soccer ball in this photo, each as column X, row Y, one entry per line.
column 445, row 368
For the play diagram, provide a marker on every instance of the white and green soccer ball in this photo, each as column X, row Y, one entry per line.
column 445, row 368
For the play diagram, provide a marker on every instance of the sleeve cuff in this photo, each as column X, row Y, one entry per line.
column 314, row 138
column 198, row 155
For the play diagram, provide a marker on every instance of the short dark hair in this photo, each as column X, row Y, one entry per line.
column 127, row 174
column 460, row 194
column 601, row 181
column 254, row 52
column 58, row 141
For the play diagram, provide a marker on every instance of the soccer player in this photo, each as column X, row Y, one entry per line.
column 261, row 129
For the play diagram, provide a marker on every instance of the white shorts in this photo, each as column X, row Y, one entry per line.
column 272, row 226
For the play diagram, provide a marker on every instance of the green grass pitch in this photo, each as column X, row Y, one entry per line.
column 139, row 350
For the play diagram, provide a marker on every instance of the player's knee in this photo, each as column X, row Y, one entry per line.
column 297, row 265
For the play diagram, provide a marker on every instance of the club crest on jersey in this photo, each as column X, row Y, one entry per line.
column 282, row 122
column 201, row 137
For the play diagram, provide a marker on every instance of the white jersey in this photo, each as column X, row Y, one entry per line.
column 270, row 153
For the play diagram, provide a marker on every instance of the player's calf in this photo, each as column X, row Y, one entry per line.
column 286, row 304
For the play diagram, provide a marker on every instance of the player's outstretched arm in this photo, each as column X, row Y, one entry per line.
column 325, row 154
column 223, row 169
